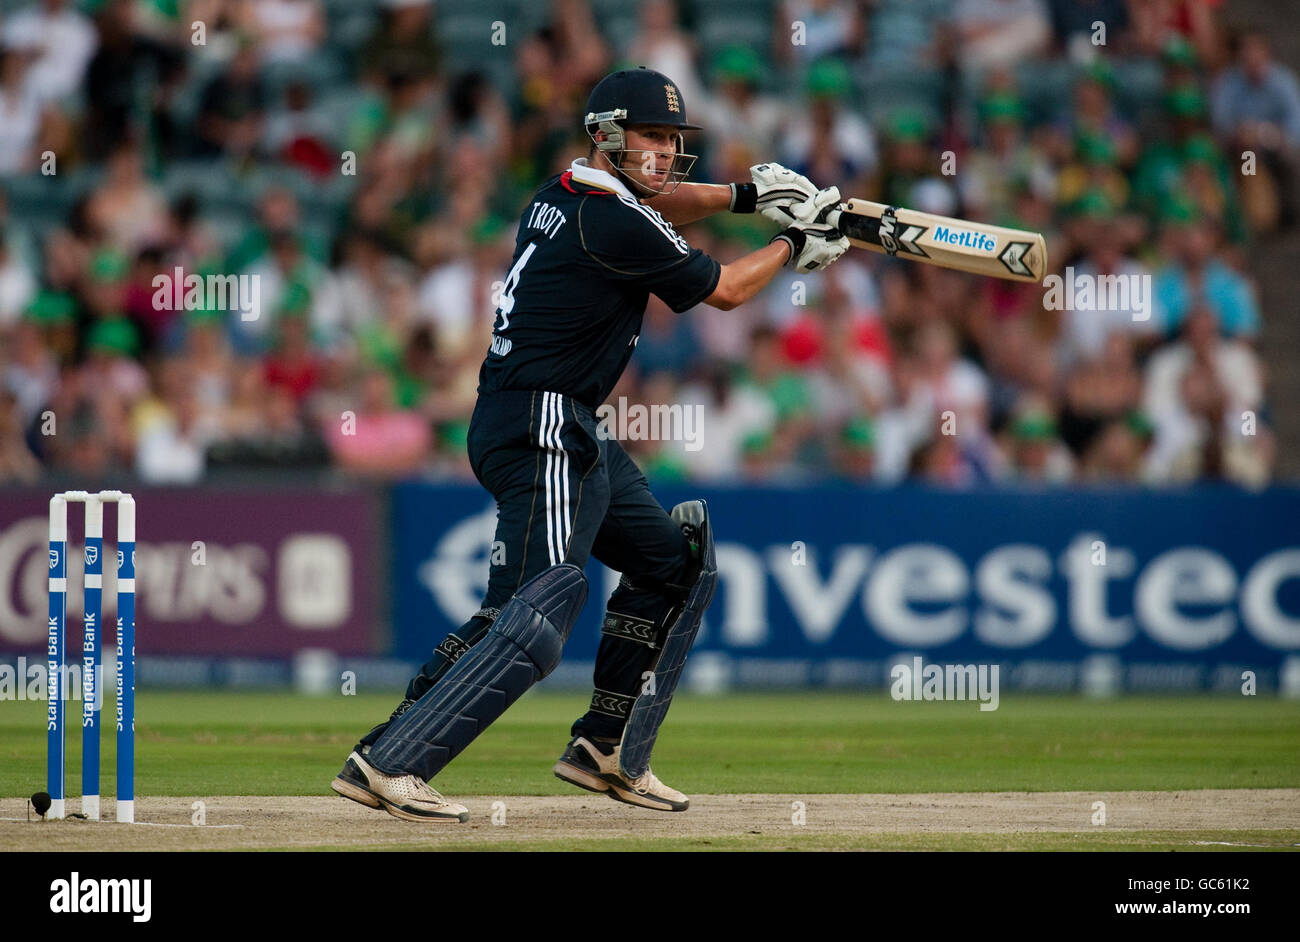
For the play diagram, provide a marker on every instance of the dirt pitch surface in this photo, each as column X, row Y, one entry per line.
column 259, row 823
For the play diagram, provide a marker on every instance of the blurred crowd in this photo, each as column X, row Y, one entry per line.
column 367, row 160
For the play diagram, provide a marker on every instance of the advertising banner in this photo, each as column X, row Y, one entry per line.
column 228, row 573
column 831, row 586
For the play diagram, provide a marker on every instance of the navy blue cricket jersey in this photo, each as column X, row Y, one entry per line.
column 587, row 258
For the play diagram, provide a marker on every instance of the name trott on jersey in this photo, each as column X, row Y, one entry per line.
column 546, row 218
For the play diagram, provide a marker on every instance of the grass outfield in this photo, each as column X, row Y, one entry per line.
column 197, row 743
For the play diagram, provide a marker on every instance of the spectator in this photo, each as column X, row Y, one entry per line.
column 31, row 373
column 379, row 440
column 788, row 391
column 61, row 42
column 125, row 62
column 1073, row 23
column 1256, row 107
column 732, row 413
column 1160, row 176
column 17, row 284
column 286, row 30
column 1099, row 391
column 990, row 185
column 17, row 463
column 1198, row 393
column 1094, row 168
column 459, row 298
column 660, row 44
column 232, row 107
column 855, row 456
column 744, row 125
column 127, row 208
column 831, row 28
column 173, row 438
column 1035, row 451
column 999, row 33
column 1118, row 452
column 667, row 342
column 1195, row 275
column 908, row 158
column 1092, row 112
column 828, row 140
column 1188, row 24
column 1088, row 323
column 23, row 120
column 403, row 43
column 850, row 382
column 288, row 280
column 291, row 365
column 301, row 135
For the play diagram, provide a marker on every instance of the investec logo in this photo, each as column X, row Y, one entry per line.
column 75, row 895
column 964, row 237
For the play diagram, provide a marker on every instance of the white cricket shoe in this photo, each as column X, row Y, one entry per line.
column 403, row 796
column 588, row 765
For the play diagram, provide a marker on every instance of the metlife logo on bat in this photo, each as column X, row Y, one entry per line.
column 951, row 235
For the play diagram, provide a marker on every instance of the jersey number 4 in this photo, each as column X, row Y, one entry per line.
column 512, row 282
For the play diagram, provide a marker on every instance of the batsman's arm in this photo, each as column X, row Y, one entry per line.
column 748, row 275
column 692, row 201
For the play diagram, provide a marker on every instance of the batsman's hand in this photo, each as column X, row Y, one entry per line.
column 778, row 189
column 813, row 245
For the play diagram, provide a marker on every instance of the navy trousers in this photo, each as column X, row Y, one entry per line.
column 563, row 494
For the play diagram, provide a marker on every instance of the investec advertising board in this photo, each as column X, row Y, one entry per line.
column 831, row 585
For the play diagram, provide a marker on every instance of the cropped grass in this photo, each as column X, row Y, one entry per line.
column 232, row 743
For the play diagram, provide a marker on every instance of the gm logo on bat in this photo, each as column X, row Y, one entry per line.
column 891, row 243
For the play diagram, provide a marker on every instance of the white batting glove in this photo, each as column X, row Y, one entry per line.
column 779, row 187
column 815, row 208
column 813, row 245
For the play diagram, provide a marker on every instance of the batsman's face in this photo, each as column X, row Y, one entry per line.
column 652, row 149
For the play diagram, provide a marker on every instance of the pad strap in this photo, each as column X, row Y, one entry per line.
column 453, row 647
column 631, row 628
column 611, row 704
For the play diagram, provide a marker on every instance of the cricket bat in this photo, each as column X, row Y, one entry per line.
column 939, row 240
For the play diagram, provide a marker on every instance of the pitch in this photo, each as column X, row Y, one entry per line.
column 765, row 772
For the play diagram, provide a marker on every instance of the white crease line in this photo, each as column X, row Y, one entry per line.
column 154, row 824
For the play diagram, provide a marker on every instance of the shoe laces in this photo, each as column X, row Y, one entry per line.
column 644, row 782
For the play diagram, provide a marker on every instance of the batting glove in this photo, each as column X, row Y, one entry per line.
column 778, row 187
column 813, row 245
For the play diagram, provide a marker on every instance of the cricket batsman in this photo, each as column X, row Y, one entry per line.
column 590, row 251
